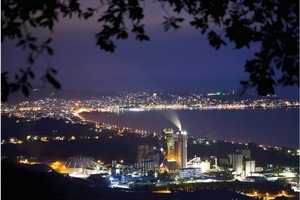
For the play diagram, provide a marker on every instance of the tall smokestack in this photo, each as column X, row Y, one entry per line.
column 181, row 149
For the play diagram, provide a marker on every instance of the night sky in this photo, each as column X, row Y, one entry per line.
column 173, row 61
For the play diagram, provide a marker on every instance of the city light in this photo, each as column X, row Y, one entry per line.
column 183, row 132
column 157, row 160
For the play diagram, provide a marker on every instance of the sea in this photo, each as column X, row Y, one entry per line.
column 268, row 127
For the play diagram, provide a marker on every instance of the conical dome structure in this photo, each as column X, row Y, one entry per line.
column 81, row 166
column 81, row 162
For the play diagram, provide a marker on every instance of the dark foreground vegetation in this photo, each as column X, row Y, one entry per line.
column 20, row 182
column 40, row 182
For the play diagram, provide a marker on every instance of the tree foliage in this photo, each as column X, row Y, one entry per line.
column 274, row 25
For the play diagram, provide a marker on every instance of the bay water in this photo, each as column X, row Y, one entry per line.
column 270, row 127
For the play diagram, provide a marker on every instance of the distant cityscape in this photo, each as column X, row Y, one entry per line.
column 59, row 108
column 164, row 161
column 69, row 110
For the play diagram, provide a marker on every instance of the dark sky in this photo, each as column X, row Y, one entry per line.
column 171, row 61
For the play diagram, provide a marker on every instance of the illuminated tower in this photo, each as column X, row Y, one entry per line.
column 249, row 167
column 237, row 160
column 181, row 148
column 169, row 144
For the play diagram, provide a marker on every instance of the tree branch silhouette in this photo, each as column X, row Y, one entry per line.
column 274, row 25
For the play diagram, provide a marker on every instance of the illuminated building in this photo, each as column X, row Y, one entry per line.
column 190, row 172
column 169, row 144
column 181, row 149
column 81, row 167
column 196, row 162
column 205, row 166
column 237, row 161
column 147, row 165
column 242, row 163
column 175, row 147
column 249, row 167
column 147, row 159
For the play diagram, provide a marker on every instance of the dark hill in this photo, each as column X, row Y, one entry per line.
column 66, row 94
column 43, row 127
column 20, row 182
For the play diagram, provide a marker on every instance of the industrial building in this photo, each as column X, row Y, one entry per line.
column 80, row 167
column 148, row 159
column 242, row 164
column 175, row 148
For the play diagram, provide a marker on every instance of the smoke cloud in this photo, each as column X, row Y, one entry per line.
column 172, row 115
